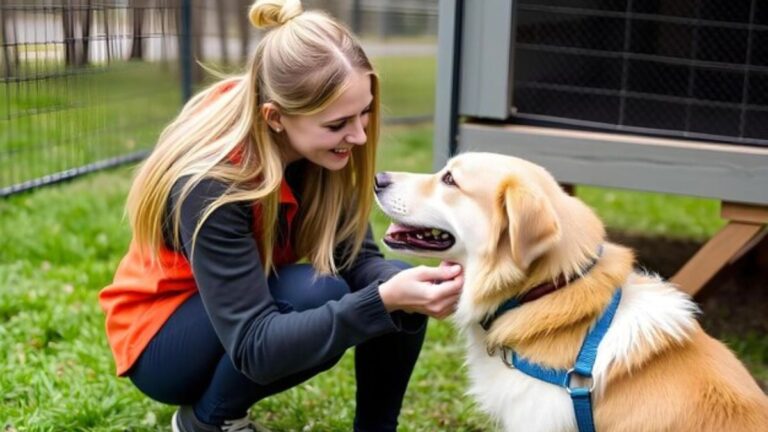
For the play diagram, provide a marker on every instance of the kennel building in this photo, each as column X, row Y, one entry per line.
column 666, row 96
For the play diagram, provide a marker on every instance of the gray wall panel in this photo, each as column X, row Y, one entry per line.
column 486, row 76
column 445, row 58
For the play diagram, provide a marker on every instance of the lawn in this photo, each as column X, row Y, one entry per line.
column 61, row 245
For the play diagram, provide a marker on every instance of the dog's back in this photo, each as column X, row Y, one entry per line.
column 669, row 375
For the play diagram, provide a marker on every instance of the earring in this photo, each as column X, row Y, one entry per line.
column 278, row 129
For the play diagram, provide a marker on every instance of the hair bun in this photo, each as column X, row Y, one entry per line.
column 273, row 13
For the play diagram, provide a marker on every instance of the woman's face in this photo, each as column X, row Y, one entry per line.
column 327, row 137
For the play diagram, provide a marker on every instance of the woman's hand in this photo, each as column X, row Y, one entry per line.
column 432, row 291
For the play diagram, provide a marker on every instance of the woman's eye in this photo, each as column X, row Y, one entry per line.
column 336, row 127
column 448, row 179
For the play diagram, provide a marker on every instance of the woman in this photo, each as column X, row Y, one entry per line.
column 209, row 309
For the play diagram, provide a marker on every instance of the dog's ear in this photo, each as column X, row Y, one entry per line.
column 532, row 223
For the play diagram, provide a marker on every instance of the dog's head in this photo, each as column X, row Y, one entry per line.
column 505, row 219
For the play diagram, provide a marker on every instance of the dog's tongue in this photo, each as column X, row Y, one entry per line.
column 395, row 228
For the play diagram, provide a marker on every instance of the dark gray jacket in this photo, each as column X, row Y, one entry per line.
column 262, row 342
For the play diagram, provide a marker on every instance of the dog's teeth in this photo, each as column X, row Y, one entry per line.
column 435, row 232
column 444, row 236
column 419, row 236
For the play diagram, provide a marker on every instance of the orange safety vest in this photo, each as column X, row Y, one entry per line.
column 143, row 295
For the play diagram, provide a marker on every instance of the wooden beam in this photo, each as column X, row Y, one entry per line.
column 746, row 224
column 744, row 212
column 569, row 188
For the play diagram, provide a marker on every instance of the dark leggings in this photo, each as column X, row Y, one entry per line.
column 185, row 364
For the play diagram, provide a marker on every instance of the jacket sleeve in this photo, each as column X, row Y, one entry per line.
column 263, row 343
column 371, row 268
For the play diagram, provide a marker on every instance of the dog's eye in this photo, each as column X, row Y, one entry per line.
column 448, row 179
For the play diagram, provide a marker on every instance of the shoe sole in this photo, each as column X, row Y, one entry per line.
column 174, row 425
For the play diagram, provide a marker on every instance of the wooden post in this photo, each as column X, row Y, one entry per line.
column 569, row 188
column 746, row 227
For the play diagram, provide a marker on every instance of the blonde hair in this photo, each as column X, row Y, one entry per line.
column 303, row 63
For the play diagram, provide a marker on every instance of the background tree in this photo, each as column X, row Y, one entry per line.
column 199, row 9
column 68, row 26
column 244, row 28
column 221, row 23
column 137, row 40
column 8, row 40
column 105, row 15
column 86, row 15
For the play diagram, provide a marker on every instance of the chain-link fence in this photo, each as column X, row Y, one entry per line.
column 85, row 85
column 89, row 84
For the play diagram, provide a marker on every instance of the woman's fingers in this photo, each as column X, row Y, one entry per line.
column 438, row 274
column 432, row 291
column 445, row 296
column 447, row 307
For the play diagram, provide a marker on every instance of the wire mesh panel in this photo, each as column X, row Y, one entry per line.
column 694, row 68
column 83, row 84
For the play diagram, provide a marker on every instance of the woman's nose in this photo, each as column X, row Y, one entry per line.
column 357, row 135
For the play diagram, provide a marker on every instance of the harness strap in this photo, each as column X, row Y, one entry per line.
column 582, row 407
column 585, row 361
column 553, row 376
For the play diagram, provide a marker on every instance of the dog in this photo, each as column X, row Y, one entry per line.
column 540, row 278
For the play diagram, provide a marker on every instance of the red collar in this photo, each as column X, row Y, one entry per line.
column 538, row 292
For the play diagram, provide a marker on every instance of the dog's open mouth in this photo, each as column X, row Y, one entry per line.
column 419, row 238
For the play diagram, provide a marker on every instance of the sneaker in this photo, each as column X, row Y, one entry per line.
column 184, row 420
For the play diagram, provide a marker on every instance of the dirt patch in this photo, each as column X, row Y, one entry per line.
column 733, row 303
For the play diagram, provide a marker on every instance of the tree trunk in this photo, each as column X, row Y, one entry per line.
column 244, row 26
column 221, row 18
column 137, row 44
column 357, row 17
column 198, row 22
column 68, row 23
column 8, row 64
column 86, row 20
column 107, row 38
column 163, row 6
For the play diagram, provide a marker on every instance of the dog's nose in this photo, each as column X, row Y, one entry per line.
column 381, row 181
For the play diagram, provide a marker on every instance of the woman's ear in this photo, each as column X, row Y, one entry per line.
column 271, row 114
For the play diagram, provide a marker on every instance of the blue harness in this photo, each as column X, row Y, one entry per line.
column 581, row 396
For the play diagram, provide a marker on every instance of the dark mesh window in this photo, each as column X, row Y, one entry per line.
column 694, row 68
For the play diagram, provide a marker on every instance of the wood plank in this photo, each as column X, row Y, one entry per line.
column 730, row 173
column 744, row 212
column 714, row 255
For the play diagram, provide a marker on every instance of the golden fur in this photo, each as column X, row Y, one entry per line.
column 515, row 229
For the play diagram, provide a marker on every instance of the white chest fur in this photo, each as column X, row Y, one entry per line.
column 519, row 402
